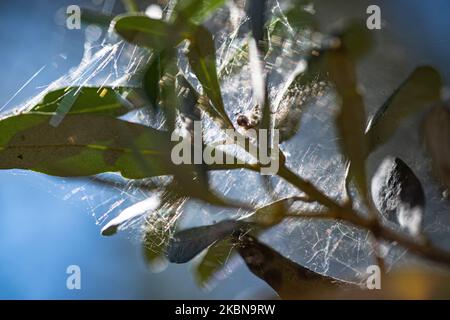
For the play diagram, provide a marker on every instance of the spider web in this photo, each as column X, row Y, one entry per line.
column 330, row 248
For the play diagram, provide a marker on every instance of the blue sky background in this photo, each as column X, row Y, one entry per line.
column 41, row 233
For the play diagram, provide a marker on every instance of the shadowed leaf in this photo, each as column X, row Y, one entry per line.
column 186, row 244
column 264, row 217
column 437, row 138
column 195, row 11
column 422, row 88
column 288, row 279
column 104, row 100
column 93, row 17
column 152, row 76
column 214, row 260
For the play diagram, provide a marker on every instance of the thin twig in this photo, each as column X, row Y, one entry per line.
column 130, row 6
column 422, row 249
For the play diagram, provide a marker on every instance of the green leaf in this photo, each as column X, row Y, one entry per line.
column 202, row 58
column 145, row 32
column 167, row 86
column 270, row 214
column 76, row 100
column 195, row 11
column 351, row 118
column 421, row 88
column 83, row 145
column 152, row 77
column 154, row 81
column 150, row 82
column 214, row 260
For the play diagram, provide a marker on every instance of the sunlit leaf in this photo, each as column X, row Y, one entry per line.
column 214, row 260
column 398, row 195
column 103, row 100
column 186, row 244
column 437, row 138
column 167, row 85
column 83, row 145
column 145, row 32
column 422, row 88
column 131, row 213
column 195, row 11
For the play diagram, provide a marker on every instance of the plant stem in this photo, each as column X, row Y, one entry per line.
column 349, row 215
column 308, row 188
column 130, row 5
